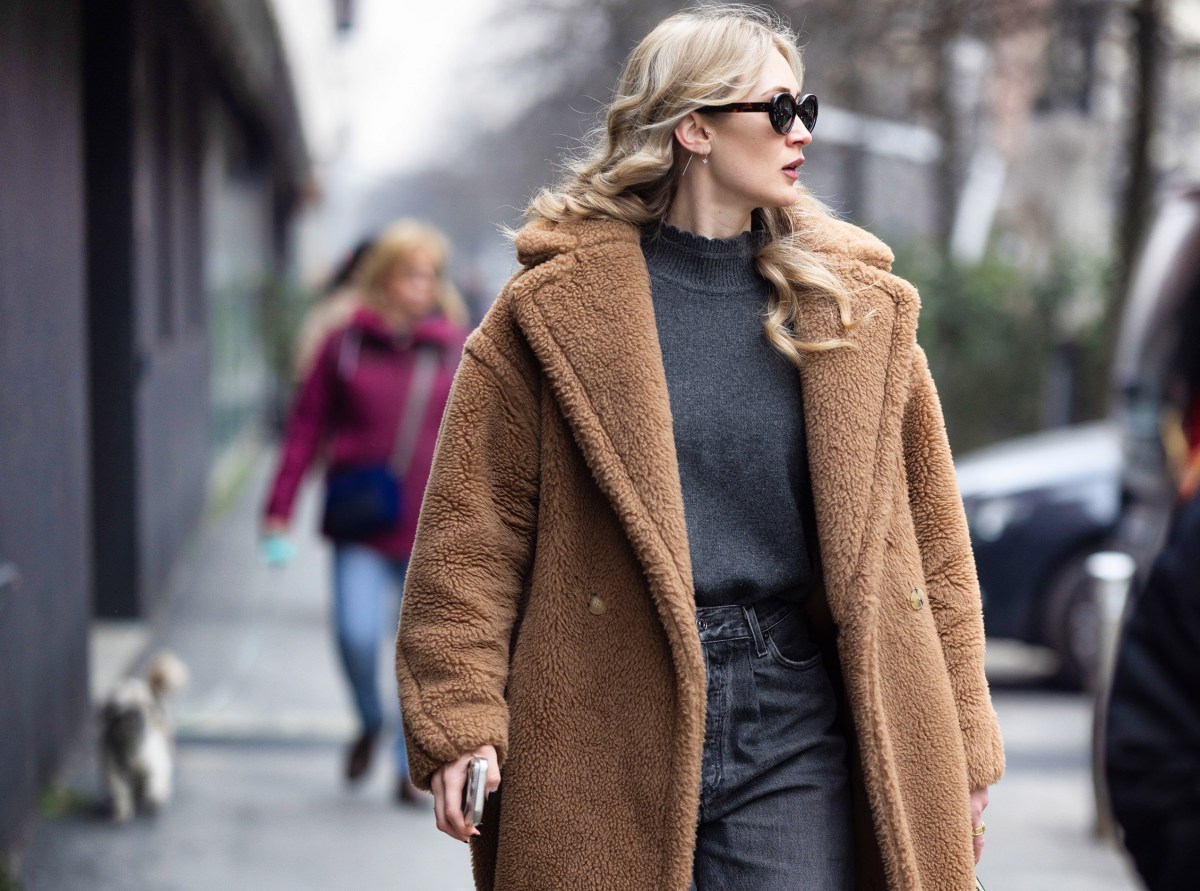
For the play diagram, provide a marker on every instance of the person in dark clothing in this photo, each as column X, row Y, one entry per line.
column 340, row 297
column 1152, row 746
column 345, row 273
column 1153, row 731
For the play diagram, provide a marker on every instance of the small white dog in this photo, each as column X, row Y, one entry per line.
column 136, row 744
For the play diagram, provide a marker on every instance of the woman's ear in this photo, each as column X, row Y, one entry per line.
column 692, row 135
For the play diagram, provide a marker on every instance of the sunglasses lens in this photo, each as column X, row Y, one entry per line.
column 808, row 112
column 783, row 112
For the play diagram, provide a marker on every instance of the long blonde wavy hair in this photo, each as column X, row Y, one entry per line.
column 395, row 245
column 632, row 163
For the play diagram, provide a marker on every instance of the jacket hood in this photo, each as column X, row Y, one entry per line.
column 542, row 240
column 433, row 329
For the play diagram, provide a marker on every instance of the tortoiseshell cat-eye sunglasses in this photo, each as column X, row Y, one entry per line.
column 783, row 108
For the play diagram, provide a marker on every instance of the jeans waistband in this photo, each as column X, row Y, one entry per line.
column 737, row 622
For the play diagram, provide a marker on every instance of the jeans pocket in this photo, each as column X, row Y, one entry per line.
column 790, row 644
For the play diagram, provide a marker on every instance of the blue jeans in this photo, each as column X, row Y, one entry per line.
column 366, row 593
column 775, row 791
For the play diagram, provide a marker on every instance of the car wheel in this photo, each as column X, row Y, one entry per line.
column 1073, row 625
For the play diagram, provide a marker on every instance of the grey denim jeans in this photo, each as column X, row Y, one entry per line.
column 775, row 794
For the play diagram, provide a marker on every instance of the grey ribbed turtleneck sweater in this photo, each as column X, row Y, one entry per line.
column 738, row 419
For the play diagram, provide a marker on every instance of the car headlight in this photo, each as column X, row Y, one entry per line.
column 990, row 517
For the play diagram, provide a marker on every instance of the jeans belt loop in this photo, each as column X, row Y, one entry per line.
column 760, row 643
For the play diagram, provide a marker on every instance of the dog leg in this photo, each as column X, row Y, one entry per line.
column 121, row 795
column 159, row 784
column 157, row 792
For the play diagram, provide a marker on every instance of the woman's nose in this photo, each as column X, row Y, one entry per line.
column 799, row 135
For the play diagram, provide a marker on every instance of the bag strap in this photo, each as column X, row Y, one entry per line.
column 425, row 368
column 348, row 351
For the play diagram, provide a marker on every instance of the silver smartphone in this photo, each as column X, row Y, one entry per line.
column 475, row 791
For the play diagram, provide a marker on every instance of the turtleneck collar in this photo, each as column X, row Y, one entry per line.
column 708, row 265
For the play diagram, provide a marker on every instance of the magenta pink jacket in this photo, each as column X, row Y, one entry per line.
column 352, row 401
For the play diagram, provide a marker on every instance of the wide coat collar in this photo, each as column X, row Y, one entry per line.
column 584, row 305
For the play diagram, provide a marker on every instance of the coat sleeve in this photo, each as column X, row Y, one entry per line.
column 308, row 424
column 949, row 567
column 470, row 562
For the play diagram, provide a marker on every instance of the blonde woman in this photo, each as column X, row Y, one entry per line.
column 377, row 385
column 692, row 572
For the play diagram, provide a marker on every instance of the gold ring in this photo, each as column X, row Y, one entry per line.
column 979, row 830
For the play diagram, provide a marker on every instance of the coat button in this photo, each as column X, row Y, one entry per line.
column 917, row 598
column 596, row 606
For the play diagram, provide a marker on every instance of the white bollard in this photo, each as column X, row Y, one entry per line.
column 1111, row 573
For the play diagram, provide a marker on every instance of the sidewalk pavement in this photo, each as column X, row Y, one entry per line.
column 1041, row 813
column 260, row 803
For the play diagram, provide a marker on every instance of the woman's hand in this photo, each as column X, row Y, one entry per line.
column 275, row 547
column 979, row 801
column 447, row 786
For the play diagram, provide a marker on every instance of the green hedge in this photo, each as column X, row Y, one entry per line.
column 994, row 332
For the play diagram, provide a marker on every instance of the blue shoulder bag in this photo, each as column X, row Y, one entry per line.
column 363, row 502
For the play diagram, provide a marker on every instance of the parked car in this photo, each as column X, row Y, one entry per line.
column 1037, row 506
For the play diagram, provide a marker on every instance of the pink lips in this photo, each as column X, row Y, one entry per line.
column 792, row 170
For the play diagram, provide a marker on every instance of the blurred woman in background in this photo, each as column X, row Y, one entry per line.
column 374, row 397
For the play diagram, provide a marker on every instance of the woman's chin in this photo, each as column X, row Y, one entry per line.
column 784, row 197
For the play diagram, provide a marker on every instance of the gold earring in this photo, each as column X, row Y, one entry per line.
column 689, row 163
column 704, row 160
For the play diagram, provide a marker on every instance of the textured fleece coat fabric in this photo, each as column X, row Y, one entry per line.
column 549, row 607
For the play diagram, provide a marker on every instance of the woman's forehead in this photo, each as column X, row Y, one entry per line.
column 776, row 75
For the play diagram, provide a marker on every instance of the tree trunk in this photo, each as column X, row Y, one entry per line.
column 1147, row 50
column 941, row 39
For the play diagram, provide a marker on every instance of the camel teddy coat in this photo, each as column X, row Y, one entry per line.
column 549, row 607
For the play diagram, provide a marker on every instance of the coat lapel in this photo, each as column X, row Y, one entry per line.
column 854, row 404
column 587, row 313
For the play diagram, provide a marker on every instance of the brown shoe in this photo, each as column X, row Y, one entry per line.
column 358, row 756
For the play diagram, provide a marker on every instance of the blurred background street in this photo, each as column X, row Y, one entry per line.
column 183, row 179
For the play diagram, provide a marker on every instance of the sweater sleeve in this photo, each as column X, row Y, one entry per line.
column 949, row 568
column 308, row 423
column 469, row 564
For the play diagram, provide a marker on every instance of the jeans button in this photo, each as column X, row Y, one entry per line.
column 701, row 624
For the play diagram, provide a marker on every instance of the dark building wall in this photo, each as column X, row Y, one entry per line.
column 108, row 101
column 44, row 480
column 138, row 142
column 151, row 88
column 170, row 88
